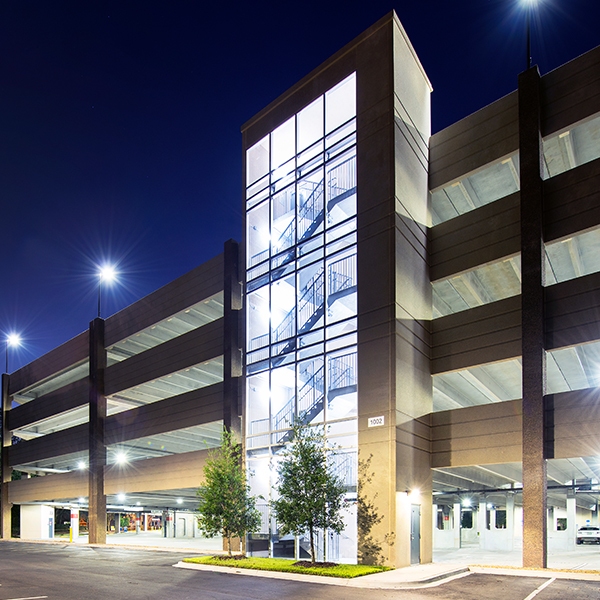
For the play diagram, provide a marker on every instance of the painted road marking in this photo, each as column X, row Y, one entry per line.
column 544, row 585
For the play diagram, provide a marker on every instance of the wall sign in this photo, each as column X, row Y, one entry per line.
column 376, row 421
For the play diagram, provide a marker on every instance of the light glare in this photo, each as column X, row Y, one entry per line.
column 121, row 458
column 414, row 494
column 14, row 339
column 107, row 273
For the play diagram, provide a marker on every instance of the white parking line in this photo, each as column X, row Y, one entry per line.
column 544, row 585
column 29, row 598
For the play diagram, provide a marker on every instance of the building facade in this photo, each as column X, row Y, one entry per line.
column 338, row 298
column 430, row 300
column 120, row 418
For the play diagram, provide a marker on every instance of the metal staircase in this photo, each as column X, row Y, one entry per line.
column 341, row 184
column 311, row 305
column 311, row 396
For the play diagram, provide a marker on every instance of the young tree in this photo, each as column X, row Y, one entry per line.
column 226, row 506
column 311, row 496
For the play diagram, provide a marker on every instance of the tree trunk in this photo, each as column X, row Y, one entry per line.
column 229, row 545
column 312, row 546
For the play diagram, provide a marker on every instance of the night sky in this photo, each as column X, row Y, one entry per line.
column 120, row 126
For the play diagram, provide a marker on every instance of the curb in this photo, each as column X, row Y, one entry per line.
column 365, row 581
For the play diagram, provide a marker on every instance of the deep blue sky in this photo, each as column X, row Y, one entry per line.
column 120, row 120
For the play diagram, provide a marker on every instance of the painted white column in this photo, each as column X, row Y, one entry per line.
column 137, row 523
column 481, row 523
column 457, row 524
column 571, row 518
column 510, row 520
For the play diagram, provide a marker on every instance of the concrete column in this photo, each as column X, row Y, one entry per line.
column 571, row 518
column 232, row 353
column 532, row 325
column 137, row 523
column 510, row 520
column 481, row 523
column 97, row 446
column 457, row 509
column 5, row 470
column 74, row 523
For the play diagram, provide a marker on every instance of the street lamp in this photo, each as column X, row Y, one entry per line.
column 529, row 6
column 108, row 274
column 12, row 340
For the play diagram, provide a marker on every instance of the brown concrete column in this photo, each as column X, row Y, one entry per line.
column 97, row 446
column 232, row 354
column 532, row 305
column 6, row 471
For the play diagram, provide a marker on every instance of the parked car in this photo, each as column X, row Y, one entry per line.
column 588, row 534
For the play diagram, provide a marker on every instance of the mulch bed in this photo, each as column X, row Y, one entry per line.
column 308, row 564
column 300, row 563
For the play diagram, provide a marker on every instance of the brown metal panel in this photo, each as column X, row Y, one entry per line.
column 572, row 312
column 571, row 92
column 66, row 398
column 156, row 474
column 484, row 434
column 192, row 348
column 484, row 334
column 177, row 412
column 74, row 439
column 59, row 486
column 196, row 285
column 572, row 201
column 481, row 236
column 151, row 475
column 477, row 140
column 66, row 355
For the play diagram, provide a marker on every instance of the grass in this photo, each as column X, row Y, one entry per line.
column 287, row 566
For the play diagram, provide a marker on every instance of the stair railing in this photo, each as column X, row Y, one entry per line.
column 341, row 178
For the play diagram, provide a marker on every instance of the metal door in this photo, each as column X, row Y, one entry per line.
column 415, row 534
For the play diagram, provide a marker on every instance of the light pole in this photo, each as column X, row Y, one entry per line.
column 12, row 340
column 529, row 6
column 108, row 274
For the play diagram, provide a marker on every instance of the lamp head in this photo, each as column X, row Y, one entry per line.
column 13, row 339
column 107, row 273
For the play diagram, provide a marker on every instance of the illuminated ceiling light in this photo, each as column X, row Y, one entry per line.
column 81, row 500
column 179, row 501
column 466, row 502
column 121, row 497
column 414, row 494
column 81, row 465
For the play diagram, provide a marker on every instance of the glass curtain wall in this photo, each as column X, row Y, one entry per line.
column 301, row 302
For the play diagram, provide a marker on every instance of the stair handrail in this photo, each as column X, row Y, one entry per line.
column 342, row 177
column 341, row 274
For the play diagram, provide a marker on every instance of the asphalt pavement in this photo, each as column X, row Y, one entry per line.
column 62, row 571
